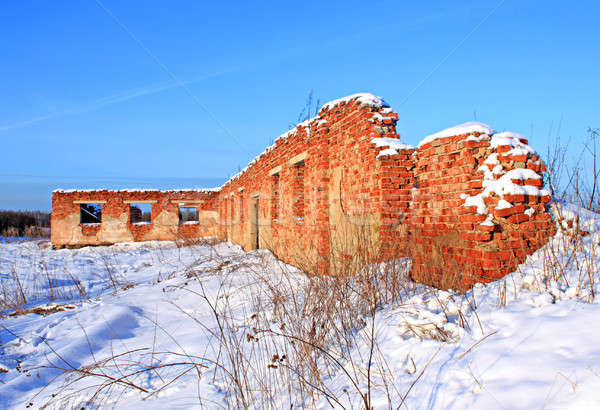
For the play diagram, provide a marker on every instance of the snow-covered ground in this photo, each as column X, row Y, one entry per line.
column 155, row 325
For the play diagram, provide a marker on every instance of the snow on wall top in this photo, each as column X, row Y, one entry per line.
column 67, row 191
column 466, row 128
column 368, row 99
column 393, row 143
column 514, row 140
column 362, row 98
column 499, row 182
column 392, row 146
column 496, row 180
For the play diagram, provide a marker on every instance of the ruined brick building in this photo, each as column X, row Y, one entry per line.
column 341, row 190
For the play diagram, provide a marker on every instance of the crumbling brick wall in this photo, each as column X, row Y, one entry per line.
column 315, row 187
column 341, row 190
column 116, row 226
column 477, row 207
column 367, row 196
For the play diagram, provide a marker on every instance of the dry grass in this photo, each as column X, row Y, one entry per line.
column 46, row 284
column 299, row 332
column 296, row 333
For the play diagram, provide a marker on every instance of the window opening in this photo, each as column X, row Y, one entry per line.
column 90, row 214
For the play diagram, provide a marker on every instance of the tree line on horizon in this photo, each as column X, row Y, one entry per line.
column 33, row 224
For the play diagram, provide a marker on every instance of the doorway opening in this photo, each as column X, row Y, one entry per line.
column 254, row 225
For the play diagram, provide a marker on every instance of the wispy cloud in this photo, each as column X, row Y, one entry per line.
column 116, row 98
column 130, row 94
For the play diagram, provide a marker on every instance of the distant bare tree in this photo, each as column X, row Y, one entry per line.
column 591, row 188
column 576, row 182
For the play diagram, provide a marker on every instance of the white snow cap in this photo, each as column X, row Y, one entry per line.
column 512, row 139
column 466, row 128
column 363, row 98
column 505, row 138
column 393, row 143
column 387, row 152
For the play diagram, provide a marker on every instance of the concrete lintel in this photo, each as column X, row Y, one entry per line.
column 190, row 201
column 91, row 201
column 147, row 201
column 275, row 170
column 241, row 189
column 254, row 195
column 298, row 158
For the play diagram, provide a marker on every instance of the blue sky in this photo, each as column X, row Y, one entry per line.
column 83, row 105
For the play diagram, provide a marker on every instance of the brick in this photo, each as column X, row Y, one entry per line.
column 487, row 228
column 514, row 198
column 473, row 218
column 505, row 212
column 413, row 198
column 518, row 218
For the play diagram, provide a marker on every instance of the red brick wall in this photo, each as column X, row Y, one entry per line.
column 453, row 245
column 66, row 230
column 340, row 190
column 415, row 196
column 339, row 138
